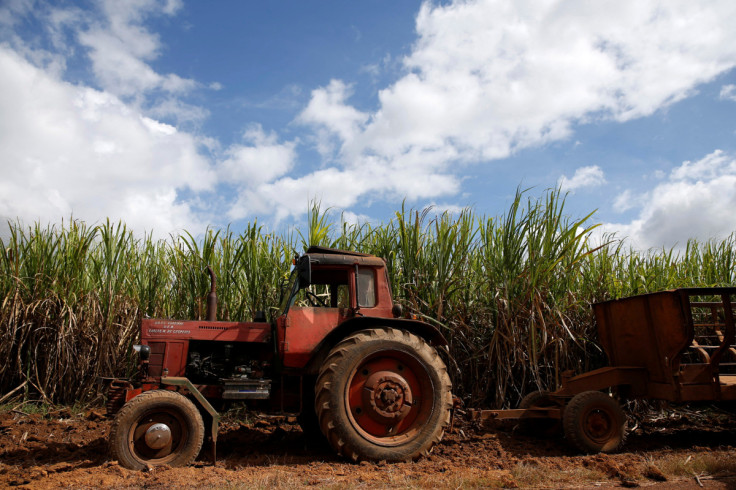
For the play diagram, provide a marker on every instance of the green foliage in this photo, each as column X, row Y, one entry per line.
column 510, row 293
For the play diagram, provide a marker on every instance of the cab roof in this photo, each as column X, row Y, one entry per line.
column 333, row 256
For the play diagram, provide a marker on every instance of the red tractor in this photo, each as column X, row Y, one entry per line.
column 339, row 355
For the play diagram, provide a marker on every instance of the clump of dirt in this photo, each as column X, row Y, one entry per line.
column 65, row 450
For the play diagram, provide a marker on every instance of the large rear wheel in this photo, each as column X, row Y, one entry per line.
column 157, row 427
column 383, row 394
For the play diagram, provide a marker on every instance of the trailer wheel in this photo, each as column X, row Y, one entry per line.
column 383, row 394
column 157, row 427
column 594, row 422
column 537, row 426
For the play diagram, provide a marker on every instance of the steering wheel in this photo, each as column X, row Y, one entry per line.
column 314, row 300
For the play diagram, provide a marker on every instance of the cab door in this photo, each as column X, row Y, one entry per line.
column 315, row 311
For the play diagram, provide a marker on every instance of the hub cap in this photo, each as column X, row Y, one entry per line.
column 158, row 436
column 599, row 425
column 387, row 396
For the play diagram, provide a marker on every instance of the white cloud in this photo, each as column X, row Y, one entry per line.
column 354, row 219
column 179, row 110
column 327, row 107
column 263, row 160
column 338, row 188
column 121, row 47
column 11, row 11
column 491, row 76
column 328, row 112
column 728, row 92
column 697, row 200
column 486, row 78
column 625, row 201
column 451, row 209
column 70, row 149
column 591, row 176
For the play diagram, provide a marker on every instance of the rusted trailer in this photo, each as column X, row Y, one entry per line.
column 675, row 345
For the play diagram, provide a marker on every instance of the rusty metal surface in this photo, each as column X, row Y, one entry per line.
column 646, row 331
column 331, row 256
column 681, row 338
column 635, row 377
column 486, row 416
column 670, row 345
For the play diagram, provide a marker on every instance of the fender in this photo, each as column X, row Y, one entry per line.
column 424, row 330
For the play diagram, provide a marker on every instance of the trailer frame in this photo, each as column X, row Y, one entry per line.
column 660, row 346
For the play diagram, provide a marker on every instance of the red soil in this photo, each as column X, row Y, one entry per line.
column 62, row 450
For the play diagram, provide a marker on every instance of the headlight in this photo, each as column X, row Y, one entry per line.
column 143, row 351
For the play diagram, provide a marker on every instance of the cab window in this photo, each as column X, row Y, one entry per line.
column 366, row 288
column 329, row 289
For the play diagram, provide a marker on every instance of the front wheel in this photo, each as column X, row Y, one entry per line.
column 383, row 394
column 157, row 427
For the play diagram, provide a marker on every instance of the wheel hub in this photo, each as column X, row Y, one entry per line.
column 388, row 396
column 158, row 436
column 598, row 425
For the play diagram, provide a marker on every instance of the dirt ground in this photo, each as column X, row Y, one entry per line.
column 683, row 449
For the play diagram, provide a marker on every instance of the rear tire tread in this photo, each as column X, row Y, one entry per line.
column 331, row 371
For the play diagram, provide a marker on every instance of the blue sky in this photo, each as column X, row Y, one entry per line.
column 177, row 114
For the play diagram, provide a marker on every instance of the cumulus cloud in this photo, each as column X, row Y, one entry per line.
column 697, row 199
column 121, row 47
column 584, row 177
column 263, row 159
column 489, row 77
column 626, row 200
column 75, row 150
column 354, row 219
column 338, row 188
column 728, row 92
column 328, row 110
column 96, row 152
column 484, row 78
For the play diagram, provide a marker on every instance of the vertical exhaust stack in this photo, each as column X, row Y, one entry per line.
column 212, row 297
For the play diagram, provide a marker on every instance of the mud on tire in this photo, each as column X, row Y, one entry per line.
column 383, row 394
column 156, row 427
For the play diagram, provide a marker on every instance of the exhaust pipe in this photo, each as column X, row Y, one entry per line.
column 212, row 297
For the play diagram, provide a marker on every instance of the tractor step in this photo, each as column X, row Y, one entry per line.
column 246, row 389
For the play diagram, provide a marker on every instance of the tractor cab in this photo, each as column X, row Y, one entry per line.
column 328, row 289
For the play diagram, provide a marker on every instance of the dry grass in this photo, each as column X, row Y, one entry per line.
column 560, row 473
column 703, row 464
column 535, row 476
